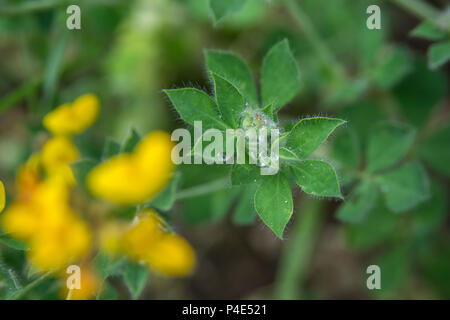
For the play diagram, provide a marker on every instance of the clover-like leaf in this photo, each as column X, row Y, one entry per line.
column 316, row 177
column 308, row 134
column 435, row 151
column 376, row 229
column 223, row 8
column 229, row 100
column 273, row 202
column 405, row 187
column 388, row 143
column 396, row 64
column 429, row 31
column 439, row 54
column 359, row 203
column 280, row 80
column 195, row 105
column 231, row 67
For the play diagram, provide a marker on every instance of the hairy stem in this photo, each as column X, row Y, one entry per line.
column 19, row 294
column 297, row 252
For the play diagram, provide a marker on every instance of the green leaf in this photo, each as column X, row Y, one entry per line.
column 131, row 142
column 430, row 215
column 358, row 205
column 280, row 76
column 376, row 229
column 420, row 92
column 195, row 105
column 221, row 9
column 229, row 100
column 11, row 242
column 396, row 64
column 273, row 202
column 107, row 266
column 439, row 54
column 135, row 277
column 405, row 187
column 81, row 168
column 346, row 148
column 230, row 67
column 388, row 143
column 244, row 214
column 110, row 149
column 428, row 30
column 310, row 133
column 166, row 198
column 245, row 174
column 394, row 265
column 317, row 177
column 436, row 151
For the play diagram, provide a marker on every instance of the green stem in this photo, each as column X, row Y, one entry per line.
column 324, row 53
column 419, row 8
column 19, row 94
column 202, row 189
column 36, row 6
column 297, row 252
column 19, row 294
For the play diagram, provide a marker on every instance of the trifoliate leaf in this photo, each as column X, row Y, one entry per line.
column 359, row 203
column 405, row 187
column 388, row 143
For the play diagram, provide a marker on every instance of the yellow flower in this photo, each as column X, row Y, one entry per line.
column 171, row 256
column 2, row 196
column 89, row 286
column 73, row 118
column 57, row 153
column 142, row 236
column 28, row 177
column 165, row 253
column 136, row 177
column 54, row 233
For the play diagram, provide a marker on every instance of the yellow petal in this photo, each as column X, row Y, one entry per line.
column 69, row 119
column 171, row 256
column 2, row 196
column 137, row 177
column 89, row 286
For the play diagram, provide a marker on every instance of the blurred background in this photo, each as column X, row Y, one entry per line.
column 127, row 52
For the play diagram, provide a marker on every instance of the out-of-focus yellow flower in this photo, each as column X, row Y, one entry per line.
column 171, row 256
column 89, row 286
column 73, row 118
column 2, row 196
column 136, row 177
column 55, row 234
column 142, row 236
column 57, row 153
column 28, row 177
column 165, row 253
